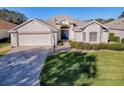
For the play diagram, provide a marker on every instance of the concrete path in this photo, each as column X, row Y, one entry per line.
column 58, row 49
column 22, row 66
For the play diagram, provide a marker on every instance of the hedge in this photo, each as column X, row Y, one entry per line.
column 118, row 47
column 99, row 46
column 114, row 38
column 80, row 45
column 122, row 40
column 72, row 43
column 60, row 43
column 88, row 46
column 111, row 35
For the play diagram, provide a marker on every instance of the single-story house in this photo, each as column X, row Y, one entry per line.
column 116, row 27
column 4, row 28
column 35, row 32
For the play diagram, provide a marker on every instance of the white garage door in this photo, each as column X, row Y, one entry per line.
column 34, row 40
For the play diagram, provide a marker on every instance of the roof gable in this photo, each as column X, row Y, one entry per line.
column 64, row 21
column 82, row 27
column 96, row 23
column 36, row 20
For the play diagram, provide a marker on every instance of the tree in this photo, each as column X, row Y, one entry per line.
column 109, row 20
column 12, row 16
column 103, row 21
column 89, row 20
column 122, row 15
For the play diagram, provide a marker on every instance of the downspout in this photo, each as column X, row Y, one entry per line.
column 17, row 40
column 100, row 34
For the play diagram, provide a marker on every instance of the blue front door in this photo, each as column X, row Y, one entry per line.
column 64, row 34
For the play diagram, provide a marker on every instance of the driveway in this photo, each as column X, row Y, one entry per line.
column 22, row 66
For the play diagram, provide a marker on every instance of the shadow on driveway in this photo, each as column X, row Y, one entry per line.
column 22, row 67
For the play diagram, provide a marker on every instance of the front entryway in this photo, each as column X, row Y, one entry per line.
column 64, row 34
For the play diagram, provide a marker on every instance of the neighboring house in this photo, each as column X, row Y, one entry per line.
column 116, row 27
column 37, row 32
column 4, row 28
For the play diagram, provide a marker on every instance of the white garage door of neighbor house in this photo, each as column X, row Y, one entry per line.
column 34, row 40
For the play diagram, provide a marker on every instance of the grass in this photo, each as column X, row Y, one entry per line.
column 110, row 65
column 91, row 68
column 4, row 52
column 4, row 46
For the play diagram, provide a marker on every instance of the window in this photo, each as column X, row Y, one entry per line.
column 84, row 36
column 93, row 36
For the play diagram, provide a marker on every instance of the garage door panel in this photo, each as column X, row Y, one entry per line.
column 34, row 40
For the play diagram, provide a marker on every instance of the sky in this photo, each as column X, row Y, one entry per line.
column 82, row 13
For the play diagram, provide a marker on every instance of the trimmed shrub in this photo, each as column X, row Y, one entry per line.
column 114, row 38
column 87, row 46
column 117, row 47
column 80, row 45
column 122, row 40
column 99, row 46
column 72, row 43
column 111, row 36
column 60, row 43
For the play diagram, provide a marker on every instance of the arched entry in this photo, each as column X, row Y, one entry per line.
column 64, row 32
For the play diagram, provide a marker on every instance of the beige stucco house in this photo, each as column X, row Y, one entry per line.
column 35, row 32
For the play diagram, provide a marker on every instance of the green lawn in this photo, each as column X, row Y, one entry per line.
column 4, row 46
column 93, row 68
column 4, row 42
column 4, row 52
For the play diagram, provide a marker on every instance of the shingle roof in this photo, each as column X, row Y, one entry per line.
column 53, row 20
column 117, row 24
column 82, row 25
column 46, row 23
column 53, row 29
column 79, row 23
column 6, row 25
column 87, row 23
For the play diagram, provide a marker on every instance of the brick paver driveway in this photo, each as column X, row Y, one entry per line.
column 22, row 66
